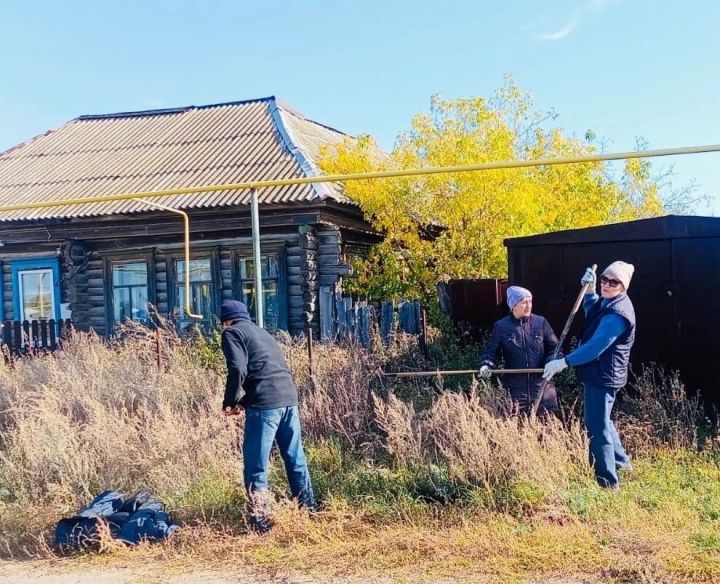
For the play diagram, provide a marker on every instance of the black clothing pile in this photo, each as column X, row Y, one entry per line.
column 129, row 518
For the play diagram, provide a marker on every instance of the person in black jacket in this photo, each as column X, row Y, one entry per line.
column 260, row 383
column 526, row 341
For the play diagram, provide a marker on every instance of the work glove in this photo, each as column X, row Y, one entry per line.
column 588, row 278
column 553, row 367
column 485, row 372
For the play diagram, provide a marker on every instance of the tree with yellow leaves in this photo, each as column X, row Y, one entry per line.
column 444, row 226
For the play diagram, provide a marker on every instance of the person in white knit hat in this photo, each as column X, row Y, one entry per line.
column 601, row 361
column 525, row 340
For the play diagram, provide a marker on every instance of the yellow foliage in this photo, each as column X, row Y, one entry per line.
column 446, row 226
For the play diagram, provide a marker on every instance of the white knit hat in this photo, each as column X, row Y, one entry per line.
column 620, row 271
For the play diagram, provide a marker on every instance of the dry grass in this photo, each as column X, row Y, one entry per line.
column 414, row 481
column 659, row 412
column 100, row 415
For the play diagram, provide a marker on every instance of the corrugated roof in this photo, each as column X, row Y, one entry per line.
column 164, row 149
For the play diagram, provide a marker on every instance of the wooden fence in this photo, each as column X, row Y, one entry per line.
column 31, row 337
column 345, row 319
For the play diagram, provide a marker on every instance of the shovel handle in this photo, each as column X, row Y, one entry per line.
column 558, row 347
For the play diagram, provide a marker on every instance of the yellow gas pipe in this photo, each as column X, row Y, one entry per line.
column 364, row 176
column 186, row 220
column 347, row 177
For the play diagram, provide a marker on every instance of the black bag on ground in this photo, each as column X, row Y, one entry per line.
column 130, row 519
column 146, row 525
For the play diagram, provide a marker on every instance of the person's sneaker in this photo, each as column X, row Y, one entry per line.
column 260, row 524
column 315, row 509
column 259, row 508
column 603, row 484
column 312, row 506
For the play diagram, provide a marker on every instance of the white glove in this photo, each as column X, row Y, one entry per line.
column 485, row 372
column 588, row 278
column 553, row 367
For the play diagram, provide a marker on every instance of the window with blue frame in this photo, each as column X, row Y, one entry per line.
column 130, row 291
column 36, row 289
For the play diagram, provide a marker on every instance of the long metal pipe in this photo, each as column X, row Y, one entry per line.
column 255, row 220
column 365, row 176
column 186, row 219
column 461, row 372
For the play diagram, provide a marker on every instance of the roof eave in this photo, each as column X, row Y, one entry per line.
column 321, row 190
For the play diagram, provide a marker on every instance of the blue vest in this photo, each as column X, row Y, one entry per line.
column 610, row 369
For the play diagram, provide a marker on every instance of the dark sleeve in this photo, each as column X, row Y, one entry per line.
column 550, row 341
column 489, row 355
column 235, row 353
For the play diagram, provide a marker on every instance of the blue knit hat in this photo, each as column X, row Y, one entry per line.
column 516, row 294
column 233, row 310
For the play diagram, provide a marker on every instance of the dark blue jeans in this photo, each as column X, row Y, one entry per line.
column 262, row 428
column 606, row 451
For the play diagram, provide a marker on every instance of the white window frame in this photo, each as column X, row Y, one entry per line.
column 20, row 274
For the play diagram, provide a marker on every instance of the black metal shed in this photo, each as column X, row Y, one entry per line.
column 675, row 289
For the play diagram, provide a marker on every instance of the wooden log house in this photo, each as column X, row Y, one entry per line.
column 100, row 263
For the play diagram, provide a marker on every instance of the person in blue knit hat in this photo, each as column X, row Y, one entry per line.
column 260, row 384
column 525, row 341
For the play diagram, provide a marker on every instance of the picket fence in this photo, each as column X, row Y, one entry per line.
column 345, row 319
column 31, row 337
column 342, row 319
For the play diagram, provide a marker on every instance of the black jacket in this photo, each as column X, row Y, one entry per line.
column 258, row 376
column 526, row 343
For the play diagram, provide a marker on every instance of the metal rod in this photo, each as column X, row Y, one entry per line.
column 158, row 348
column 255, row 218
column 558, row 347
column 366, row 176
column 186, row 220
column 461, row 372
column 423, row 333
column 310, row 349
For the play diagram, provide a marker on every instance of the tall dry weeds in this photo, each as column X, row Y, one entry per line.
column 401, row 429
column 658, row 411
column 99, row 415
column 103, row 415
column 337, row 399
column 491, row 450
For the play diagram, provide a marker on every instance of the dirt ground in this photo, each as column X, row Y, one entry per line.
column 62, row 572
column 58, row 573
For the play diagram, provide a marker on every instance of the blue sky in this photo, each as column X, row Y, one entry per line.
column 623, row 68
